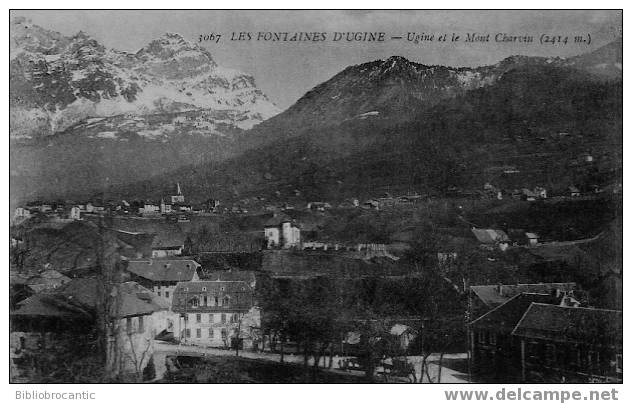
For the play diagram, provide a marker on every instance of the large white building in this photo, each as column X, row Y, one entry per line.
column 216, row 313
column 280, row 232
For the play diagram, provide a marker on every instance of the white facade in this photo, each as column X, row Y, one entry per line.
column 132, row 344
column 166, row 291
column 217, row 329
column 541, row 192
column 285, row 235
column 164, row 207
column 21, row 212
column 272, row 236
column 291, row 235
column 75, row 213
column 158, row 252
column 150, row 208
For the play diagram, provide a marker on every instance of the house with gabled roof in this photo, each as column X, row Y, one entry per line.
column 486, row 297
column 167, row 242
column 162, row 275
column 280, row 232
column 216, row 313
column 493, row 350
column 65, row 319
column 491, row 238
column 47, row 280
column 570, row 344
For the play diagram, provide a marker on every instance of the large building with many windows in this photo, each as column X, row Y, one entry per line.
column 216, row 313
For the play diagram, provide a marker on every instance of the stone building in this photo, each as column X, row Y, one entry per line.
column 216, row 313
column 280, row 232
column 162, row 275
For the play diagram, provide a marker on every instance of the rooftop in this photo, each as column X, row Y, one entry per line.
column 505, row 317
column 78, row 300
column 172, row 270
column 571, row 325
column 495, row 295
column 490, row 236
column 231, row 275
column 239, row 293
column 277, row 220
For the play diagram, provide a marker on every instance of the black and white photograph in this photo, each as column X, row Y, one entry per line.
column 315, row 197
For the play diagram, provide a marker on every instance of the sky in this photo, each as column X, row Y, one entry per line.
column 286, row 70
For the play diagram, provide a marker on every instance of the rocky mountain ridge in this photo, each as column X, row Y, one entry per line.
column 57, row 82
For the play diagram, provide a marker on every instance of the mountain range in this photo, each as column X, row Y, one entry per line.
column 83, row 115
column 398, row 126
column 387, row 124
column 58, row 81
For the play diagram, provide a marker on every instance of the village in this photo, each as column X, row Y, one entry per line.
column 350, row 291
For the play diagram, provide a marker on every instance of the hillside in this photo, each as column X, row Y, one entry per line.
column 82, row 115
column 395, row 125
column 536, row 116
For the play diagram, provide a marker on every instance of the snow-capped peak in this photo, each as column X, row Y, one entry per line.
column 61, row 81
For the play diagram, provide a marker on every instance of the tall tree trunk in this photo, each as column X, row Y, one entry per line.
column 331, row 355
column 370, row 367
column 424, row 369
column 306, row 360
column 282, row 344
column 440, row 367
column 238, row 337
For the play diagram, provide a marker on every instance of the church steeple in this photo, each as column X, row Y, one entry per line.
column 178, row 197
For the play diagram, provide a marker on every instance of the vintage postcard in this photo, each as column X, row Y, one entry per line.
column 324, row 196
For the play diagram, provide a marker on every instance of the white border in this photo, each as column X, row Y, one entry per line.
column 284, row 393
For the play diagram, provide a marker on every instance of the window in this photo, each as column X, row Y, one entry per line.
column 481, row 337
column 198, row 318
column 195, row 302
column 166, row 294
column 225, row 300
column 492, row 338
column 159, row 293
column 141, row 325
column 224, row 333
column 216, row 301
column 210, row 333
column 534, row 350
column 205, row 300
column 129, row 325
column 549, row 354
column 223, row 318
column 198, row 333
column 210, row 318
column 188, row 333
column 203, row 288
